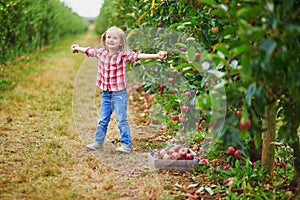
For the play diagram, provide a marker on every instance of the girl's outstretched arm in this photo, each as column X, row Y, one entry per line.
column 75, row 48
column 159, row 55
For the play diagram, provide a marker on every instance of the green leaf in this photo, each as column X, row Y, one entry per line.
column 191, row 53
column 257, row 139
column 237, row 163
column 181, row 66
column 222, row 47
column 245, row 12
column 240, row 49
column 249, row 93
column 211, row 2
column 287, row 5
column 268, row 45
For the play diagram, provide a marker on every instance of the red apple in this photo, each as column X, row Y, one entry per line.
column 238, row 113
column 176, row 148
column 204, row 162
column 283, row 164
column 143, row 93
column 170, row 80
column 182, row 119
column 175, row 118
column 202, row 122
column 151, row 97
column 252, row 22
column 182, row 139
column 189, row 156
column 172, row 91
column 159, row 24
column 200, row 127
column 226, row 167
column 197, row 56
column 245, row 125
column 230, row 150
column 237, row 153
column 183, row 152
column 187, row 94
column 184, row 109
column 176, row 156
column 228, row 182
column 173, row 140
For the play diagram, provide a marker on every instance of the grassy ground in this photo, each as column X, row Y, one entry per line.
column 42, row 156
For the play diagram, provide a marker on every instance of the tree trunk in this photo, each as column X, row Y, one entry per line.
column 268, row 149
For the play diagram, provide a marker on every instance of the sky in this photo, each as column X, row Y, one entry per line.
column 85, row 8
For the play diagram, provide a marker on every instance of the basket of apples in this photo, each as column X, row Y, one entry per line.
column 176, row 158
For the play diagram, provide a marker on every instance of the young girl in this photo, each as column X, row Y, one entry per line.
column 111, row 79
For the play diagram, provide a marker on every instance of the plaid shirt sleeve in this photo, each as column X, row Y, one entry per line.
column 132, row 56
column 90, row 52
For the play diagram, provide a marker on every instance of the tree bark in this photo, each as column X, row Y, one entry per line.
column 268, row 149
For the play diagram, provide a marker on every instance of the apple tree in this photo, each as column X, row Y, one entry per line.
column 262, row 38
column 255, row 44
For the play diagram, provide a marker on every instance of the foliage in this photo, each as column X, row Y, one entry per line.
column 255, row 47
column 29, row 25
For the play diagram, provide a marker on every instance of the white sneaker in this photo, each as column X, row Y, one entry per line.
column 94, row 146
column 123, row 148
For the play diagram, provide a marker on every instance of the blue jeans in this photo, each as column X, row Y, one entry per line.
column 114, row 101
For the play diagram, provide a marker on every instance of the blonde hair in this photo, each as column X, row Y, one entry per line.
column 124, row 48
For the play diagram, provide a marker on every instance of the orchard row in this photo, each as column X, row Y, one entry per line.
column 27, row 25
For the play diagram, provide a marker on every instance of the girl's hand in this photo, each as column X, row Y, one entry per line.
column 74, row 48
column 162, row 55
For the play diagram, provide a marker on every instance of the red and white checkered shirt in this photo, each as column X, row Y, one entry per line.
column 111, row 74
